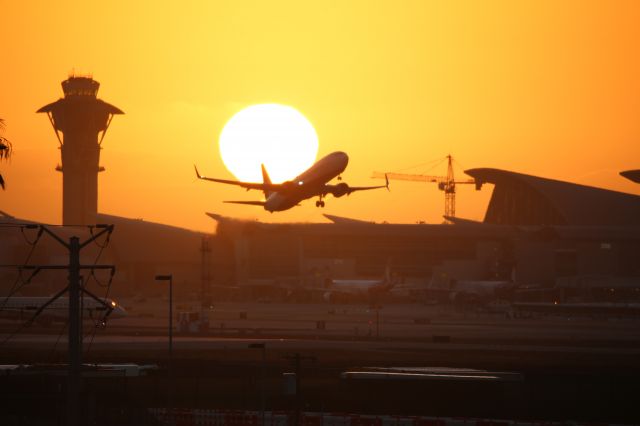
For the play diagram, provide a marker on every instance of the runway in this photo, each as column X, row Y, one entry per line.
column 571, row 368
column 398, row 333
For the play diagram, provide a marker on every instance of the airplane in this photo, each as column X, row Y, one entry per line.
column 616, row 309
column 25, row 308
column 336, row 290
column 469, row 292
column 311, row 183
column 472, row 292
column 330, row 290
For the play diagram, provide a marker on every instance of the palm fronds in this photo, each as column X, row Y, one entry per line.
column 5, row 149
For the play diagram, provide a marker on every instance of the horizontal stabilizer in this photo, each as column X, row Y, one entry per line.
column 632, row 175
column 250, row 203
column 214, row 216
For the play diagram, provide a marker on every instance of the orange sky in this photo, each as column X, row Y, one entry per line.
column 543, row 87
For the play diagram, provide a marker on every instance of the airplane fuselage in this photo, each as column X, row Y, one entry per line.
column 309, row 183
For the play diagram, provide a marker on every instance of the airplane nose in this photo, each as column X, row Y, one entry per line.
column 343, row 157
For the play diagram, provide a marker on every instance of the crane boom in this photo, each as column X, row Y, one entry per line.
column 418, row 178
column 407, row 176
column 445, row 183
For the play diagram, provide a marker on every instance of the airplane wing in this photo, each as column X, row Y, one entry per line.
column 344, row 189
column 246, row 185
column 365, row 188
column 250, row 203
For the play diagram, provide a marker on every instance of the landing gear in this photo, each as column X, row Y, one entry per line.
column 319, row 203
column 339, row 177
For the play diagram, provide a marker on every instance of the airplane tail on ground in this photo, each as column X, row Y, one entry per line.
column 387, row 272
column 390, row 279
column 266, row 180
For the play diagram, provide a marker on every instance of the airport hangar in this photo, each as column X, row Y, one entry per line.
column 539, row 232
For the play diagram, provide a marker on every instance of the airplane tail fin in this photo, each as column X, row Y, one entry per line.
column 390, row 279
column 387, row 273
column 266, row 180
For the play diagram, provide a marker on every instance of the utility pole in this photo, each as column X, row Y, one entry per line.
column 205, row 289
column 75, row 347
column 169, row 277
column 297, row 359
column 263, row 367
column 75, row 289
column 377, row 308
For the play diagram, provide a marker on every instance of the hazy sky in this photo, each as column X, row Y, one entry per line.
column 549, row 88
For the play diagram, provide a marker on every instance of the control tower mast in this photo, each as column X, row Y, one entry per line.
column 83, row 120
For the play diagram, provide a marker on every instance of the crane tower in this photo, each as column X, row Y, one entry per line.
column 83, row 120
column 445, row 183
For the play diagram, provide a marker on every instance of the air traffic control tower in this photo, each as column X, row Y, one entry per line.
column 83, row 120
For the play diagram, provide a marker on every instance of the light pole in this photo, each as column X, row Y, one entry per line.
column 169, row 278
column 262, row 346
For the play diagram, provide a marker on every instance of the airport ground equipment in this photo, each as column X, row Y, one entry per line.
column 193, row 322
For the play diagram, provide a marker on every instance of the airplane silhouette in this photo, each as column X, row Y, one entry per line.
column 313, row 182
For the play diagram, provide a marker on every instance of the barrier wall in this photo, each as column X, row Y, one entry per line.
column 197, row 417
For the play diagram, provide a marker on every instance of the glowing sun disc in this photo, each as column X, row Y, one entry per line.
column 275, row 135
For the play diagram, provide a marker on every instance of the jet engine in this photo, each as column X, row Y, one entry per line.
column 340, row 189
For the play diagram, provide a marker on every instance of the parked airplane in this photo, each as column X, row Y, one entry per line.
column 24, row 308
column 336, row 290
column 611, row 309
column 311, row 183
column 472, row 292
column 469, row 292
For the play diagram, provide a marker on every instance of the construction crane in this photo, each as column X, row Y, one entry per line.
column 445, row 183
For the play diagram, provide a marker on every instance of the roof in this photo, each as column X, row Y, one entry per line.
column 460, row 229
column 99, row 104
column 341, row 219
column 632, row 175
column 136, row 240
column 354, row 228
column 520, row 199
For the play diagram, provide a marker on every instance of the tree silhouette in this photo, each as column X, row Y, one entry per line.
column 5, row 149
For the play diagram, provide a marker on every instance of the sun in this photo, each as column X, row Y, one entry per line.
column 275, row 135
